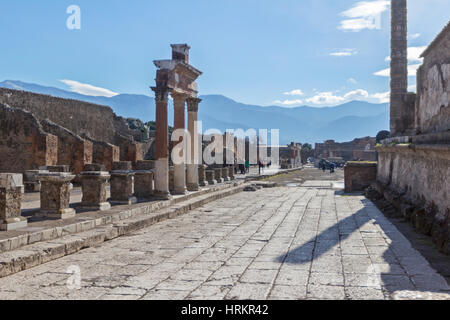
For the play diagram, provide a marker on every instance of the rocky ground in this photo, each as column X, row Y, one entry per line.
column 302, row 240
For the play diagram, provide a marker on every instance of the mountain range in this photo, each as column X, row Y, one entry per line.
column 301, row 124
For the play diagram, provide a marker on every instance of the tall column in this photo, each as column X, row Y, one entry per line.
column 162, row 143
column 192, row 175
column 179, row 102
column 399, row 65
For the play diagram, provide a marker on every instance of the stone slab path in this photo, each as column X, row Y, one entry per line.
column 278, row 243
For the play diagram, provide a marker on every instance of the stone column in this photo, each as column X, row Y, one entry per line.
column 122, row 183
column 55, row 195
column 202, row 175
column 10, row 202
column 179, row 102
column 399, row 65
column 210, row 177
column 192, row 176
column 225, row 173
column 162, row 144
column 94, row 180
column 143, row 179
column 218, row 175
column 231, row 173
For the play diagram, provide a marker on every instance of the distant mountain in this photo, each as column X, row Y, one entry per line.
column 302, row 124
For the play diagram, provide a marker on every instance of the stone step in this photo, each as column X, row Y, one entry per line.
column 51, row 230
column 41, row 252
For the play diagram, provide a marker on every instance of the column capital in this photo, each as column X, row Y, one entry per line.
column 193, row 104
column 161, row 93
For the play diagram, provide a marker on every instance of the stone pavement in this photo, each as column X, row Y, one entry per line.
column 280, row 243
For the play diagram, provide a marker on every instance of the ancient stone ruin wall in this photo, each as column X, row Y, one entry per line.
column 105, row 153
column 358, row 149
column 433, row 86
column 72, row 149
column 24, row 145
column 416, row 176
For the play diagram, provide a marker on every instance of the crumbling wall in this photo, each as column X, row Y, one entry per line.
column 24, row 145
column 105, row 153
column 433, row 86
column 72, row 149
column 415, row 178
column 82, row 118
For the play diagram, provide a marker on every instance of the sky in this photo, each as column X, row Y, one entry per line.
column 284, row 52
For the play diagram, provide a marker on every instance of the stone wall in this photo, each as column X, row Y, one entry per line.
column 24, row 145
column 433, row 86
column 358, row 149
column 415, row 178
column 82, row 118
column 359, row 175
column 105, row 153
column 72, row 149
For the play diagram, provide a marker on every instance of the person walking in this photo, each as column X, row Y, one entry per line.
column 247, row 166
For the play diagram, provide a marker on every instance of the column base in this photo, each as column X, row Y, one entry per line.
column 63, row 214
column 13, row 224
column 193, row 187
column 98, row 207
column 212, row 182
column 179, row 192
column 219, row 180
column 131, row 200
column 162, row 195
column 203, row 184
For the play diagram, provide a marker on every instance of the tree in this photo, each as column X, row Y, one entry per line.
column 384, row 134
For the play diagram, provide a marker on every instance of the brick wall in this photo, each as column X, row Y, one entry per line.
column 359, row 175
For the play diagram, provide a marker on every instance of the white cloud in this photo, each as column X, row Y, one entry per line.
column 364, row 15
column 289, row 103
column 412, row 69
column 325, row 98
column 383, row 97
column 352, row 81
column 359, row 94
column 414, row 36
column 414, row 54
column 87, row 89
column 344, row 52
column 296, row 92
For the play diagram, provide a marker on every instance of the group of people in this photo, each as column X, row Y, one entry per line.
column 244, row 168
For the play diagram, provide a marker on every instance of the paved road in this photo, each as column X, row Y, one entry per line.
column 281, row 243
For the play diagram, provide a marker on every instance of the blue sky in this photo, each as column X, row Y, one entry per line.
column 283, row 52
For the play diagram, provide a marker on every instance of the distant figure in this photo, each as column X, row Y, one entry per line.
column 247, row 166
column 261, row 165
column 269, row 164
column 242, row 168
column 332, row 166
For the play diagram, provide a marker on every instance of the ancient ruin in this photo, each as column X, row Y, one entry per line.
column 414, row 164
column 359, row 149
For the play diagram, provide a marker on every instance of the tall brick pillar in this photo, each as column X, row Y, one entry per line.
column 399, row 67
column 162, row 143
column 192, row 172
column 179, row 102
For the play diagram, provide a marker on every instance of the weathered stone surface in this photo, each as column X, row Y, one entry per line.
column 105, row 153
column 359, row 175
column 143, row 184
column 55, row 195
column 210, row 177
column 24, row 145
column 202, row 176
column 93, row 184
column 145, row 165
column 218, row 175
column 122, row 185
column 225, row 173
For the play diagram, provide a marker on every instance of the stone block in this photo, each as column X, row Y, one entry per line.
column 143, row 184
column 225, row 173
column 202, row 176
column 231, row 173
column 122, row 165
column 94, row 167
column 10, row 204
column 55, row 195
column 58, row 168
column 218, row 175
column 145, row 165
column 122, row 186
column 93, row 184
column 359, row 175
column 209, row 174
column 31, row 182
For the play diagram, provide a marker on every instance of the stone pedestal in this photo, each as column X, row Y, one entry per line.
column 202, row 176
column 55, row 195
column 93, row 184
column 231, row 173
column 58, row 168
column 192, row 177
column 31, row 182
column 218, row 175
column 143, row 184
column 171, row 179
column 122, row 187
column 210, row 177
column 225, row 173
column 10, row 202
